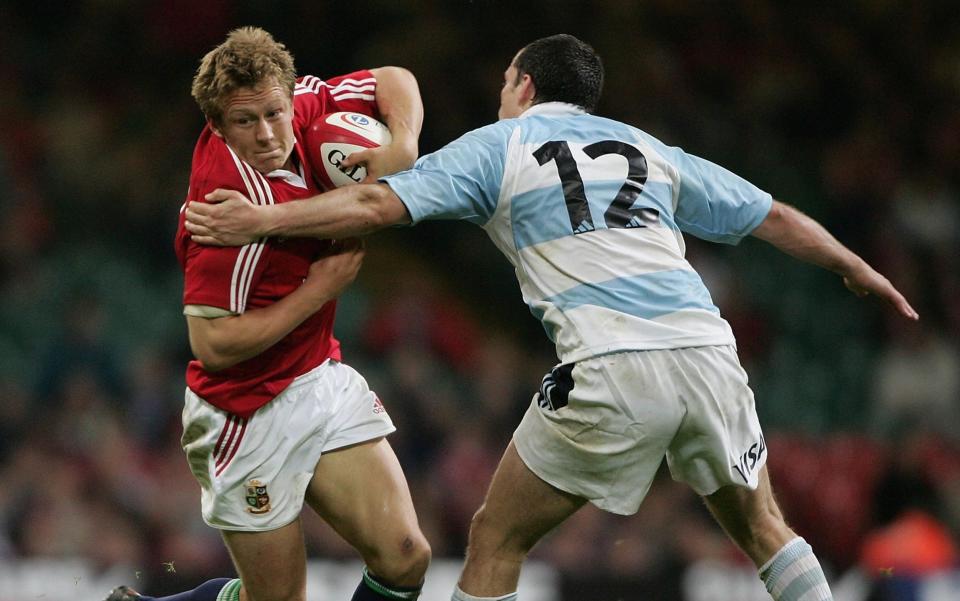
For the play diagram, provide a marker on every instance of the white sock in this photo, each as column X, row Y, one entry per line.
column 459, row 595
column 794, row 574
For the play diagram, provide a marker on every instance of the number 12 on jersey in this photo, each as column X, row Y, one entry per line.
column 619, row 213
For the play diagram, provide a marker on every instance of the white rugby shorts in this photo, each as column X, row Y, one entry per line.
column 254, row 472
column 600, row 428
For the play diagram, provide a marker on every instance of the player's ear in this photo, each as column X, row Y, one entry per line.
column 528, row 91
column 213, row 127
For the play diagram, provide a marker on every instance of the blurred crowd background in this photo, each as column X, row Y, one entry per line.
column 847, row 110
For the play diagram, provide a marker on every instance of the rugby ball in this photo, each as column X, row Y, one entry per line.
column 333, row 137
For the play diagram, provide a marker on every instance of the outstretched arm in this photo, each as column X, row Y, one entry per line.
column 231, row 220
column 800, row 236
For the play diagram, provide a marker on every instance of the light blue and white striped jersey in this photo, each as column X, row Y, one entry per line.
column 590, row 212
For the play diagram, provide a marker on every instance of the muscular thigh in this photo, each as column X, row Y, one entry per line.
column 599, row 428
column 520, row 507
column 361, row 492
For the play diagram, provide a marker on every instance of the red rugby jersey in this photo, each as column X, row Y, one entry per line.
column 243, row 278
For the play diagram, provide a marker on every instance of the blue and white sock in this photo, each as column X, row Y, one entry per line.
column 794, row 574
column 459, row 595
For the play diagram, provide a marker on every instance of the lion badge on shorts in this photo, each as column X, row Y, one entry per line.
column 258, row 501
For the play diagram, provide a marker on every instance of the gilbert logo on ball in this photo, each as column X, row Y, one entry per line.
column 333, row 137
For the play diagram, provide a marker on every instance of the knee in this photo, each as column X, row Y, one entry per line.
column 480, row 527
column 488, row 538
column 405, row 563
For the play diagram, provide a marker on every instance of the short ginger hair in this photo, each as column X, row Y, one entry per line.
column 249, row 57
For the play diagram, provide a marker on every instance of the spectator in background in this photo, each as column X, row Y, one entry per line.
column 917, row 383
column 910, row 540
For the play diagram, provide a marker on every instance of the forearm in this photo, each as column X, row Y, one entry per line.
column 225, row 341
column 341, row 213
column 803, row 238
column 401, row 108
column 800, row 236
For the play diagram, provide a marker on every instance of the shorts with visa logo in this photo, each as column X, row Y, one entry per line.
column 600, row 428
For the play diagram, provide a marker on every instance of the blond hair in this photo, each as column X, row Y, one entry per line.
column 248, row 57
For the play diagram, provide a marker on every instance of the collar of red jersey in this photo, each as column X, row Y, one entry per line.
column 553, row 108
column 294, row 179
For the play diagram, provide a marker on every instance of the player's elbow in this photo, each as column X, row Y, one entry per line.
column 379, row 207
column 775, row 223
column 210, row 351
column 397, row 74
column 212, row 359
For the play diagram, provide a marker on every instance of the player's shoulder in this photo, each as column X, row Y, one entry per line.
column 475, row 146
column 308, row 84
column 214, row 165
column 352, row 92
column 355, row 82
column 498, row 131
column 571, row 127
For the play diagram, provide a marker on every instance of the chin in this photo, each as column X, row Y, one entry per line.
column 266, row 167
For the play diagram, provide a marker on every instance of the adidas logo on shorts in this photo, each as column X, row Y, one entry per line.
column 555, row 387
column 378, row 407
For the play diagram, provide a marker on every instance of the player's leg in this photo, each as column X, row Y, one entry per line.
column 251, row 491
column 752, row 519
column 586, row 435
column 210, row 590
column 518, row 511
column 271, row 564
column 361, row 492
column 719, row 450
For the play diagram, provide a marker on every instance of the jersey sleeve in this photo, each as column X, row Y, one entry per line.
column 221, row 277
column 354, row 92
column 459, row 181
column 714, row 203
column 214, row 276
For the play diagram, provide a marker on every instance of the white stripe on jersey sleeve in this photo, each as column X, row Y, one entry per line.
column 241, row 258
column 308, row 84
column 360, row 96
column 313, row 85
column 365, row 80
column 345, row 87
column 205, row 311
column 308, row 81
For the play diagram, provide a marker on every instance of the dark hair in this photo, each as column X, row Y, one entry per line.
column 563, row 69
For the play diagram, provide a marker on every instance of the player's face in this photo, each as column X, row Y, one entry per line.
column 258, row 126
column 510, row 105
